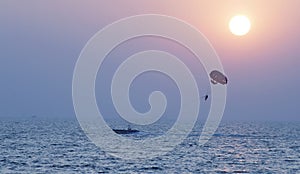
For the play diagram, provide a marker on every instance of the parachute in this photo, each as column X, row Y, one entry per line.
column 218, row 77
column 215, row 78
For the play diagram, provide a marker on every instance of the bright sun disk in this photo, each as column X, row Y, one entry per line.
column 239, row 25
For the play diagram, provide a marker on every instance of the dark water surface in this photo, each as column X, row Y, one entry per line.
column 40, row 146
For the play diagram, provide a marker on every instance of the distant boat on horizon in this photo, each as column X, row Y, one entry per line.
column 126, row 131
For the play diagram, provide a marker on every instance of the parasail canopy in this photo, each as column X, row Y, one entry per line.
column 218, row 77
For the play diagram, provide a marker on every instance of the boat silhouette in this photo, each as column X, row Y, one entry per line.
column 125, row 131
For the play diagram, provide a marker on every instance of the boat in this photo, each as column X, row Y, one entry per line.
column 126, row 131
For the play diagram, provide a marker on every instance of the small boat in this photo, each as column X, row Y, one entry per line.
column 126, row 131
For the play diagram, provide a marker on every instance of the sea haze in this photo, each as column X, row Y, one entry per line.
column 44, row 146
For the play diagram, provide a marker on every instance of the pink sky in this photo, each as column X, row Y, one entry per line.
column 262, row 65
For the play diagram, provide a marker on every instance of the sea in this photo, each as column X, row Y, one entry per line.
column 60, row 146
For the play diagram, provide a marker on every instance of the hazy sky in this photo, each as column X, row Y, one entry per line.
column 40, row 42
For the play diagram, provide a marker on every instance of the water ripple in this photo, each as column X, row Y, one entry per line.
column 62, row 147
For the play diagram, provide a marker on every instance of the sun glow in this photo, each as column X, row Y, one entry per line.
column 239, row 25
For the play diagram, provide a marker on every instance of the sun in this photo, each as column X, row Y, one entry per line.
column 239, row 25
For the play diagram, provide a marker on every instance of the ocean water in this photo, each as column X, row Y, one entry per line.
column 60, row 146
